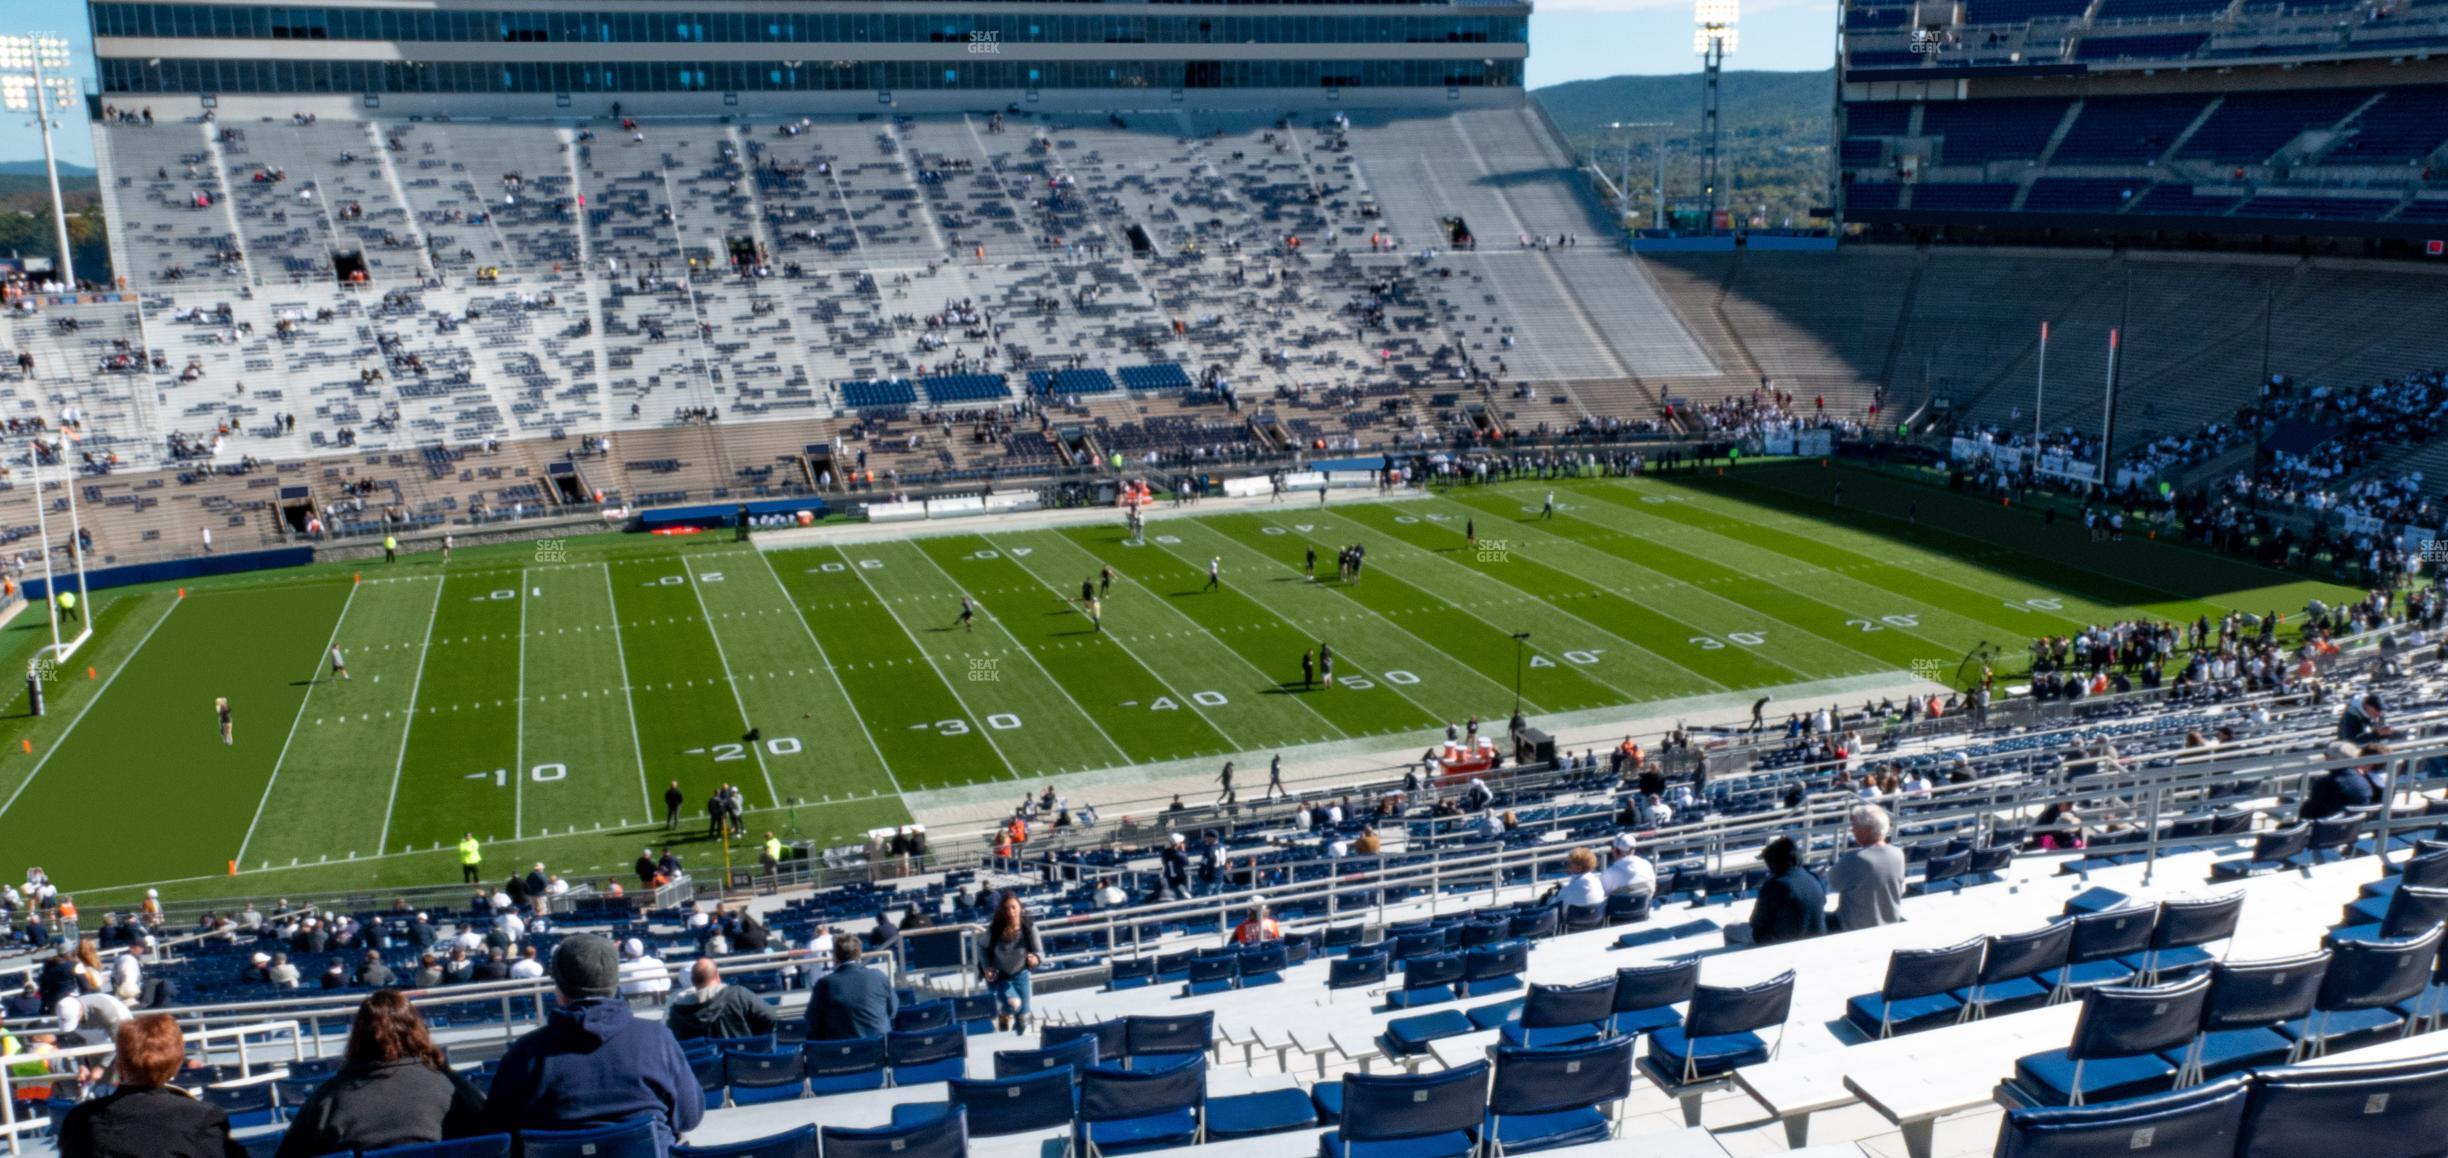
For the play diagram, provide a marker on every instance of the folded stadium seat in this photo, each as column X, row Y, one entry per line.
column 1339, row 940
column 1263, row 965
column 1494, row 968
column 312, row 1067
column 2117, row 1044
column 248, row 1106
column 2358, row 1000
column 1075, row 1054
column 923, row 1016
column 1422, row 943
column 1544, row 1097
column 1128, row 973
column 2428, row 1011
column 707, row 1063
column 928, row 1056
column 1476, row 932
column 1111, row 1037
column 293, row 1092
column 2406, row 912
column 796, row 1143
column 791, row 1031
column 1988, row 865
column 1406, row 1037
column 1719, row 1034
column 1919, row 991
column 760, row 1042
column 2094, row 900
column 1562, row 1014
column 481, row 1146
column 1535, row 924
column 2200, row 1122
column 1358, row 971
column 1659, row 935
column 2378, row 1110
column 975, row 1013
column 2101, row 943
column 1156, row 1041
column 1262, row 1112
column 1583, row 918
column 1427, row 981
column 1212, row 974
column 758, row 1078
column 1173, row 966
column 2272, row 851
column 1645, row 996
column 2248, row 1002
column 997, row 1106
column 1433, row 1115
column 1495, row 1014
column 1140, row 1109
column 2184, row 927
column 2428, row 868
column 945, row 1136
column 844, row 1065
column 1627, row 908
column 2019, row 970
column 2335, row 837
column 635, row 1139
column 1942, row 872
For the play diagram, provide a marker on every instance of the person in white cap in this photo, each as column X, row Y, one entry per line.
column 642, row 974
column 1628, row 873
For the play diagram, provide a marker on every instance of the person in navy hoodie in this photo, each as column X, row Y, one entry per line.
column 592, row 1063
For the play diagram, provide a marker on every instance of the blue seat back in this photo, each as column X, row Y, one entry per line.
column 1556, row 1006
column 1553, row 1079
column 1642, row 987
column 749, row 1068
column 481, row 1146
column 2013, row 955
column 1921, row 972
column 795, row 1143
column 975, row 1007
column 1149, row 1036
column 924, row 1016
column 2115, row 933
column 1390, row 1107
column 2128, row 1020
column 1489, row 962
column 1112, row 1037
column 1014, row 1105
column 2200, row 1122
column 1948, row 867
column 2247, row 994
column 2196, row 922
column 2412, row 909
column 1537, row 924
column 1719, row 1010
column 627, row 1140
column 853, row 1055
column 1432, row 970
column 1077, row 1054
column 1259, row 960
column 2374, row 974
column 1109, row 1093
column 1209, row 970
column 913, row 1049
column 2381, row 1110
column 239, row 1099
column 2281, row 843
column 1420, row 944
column 937, row 1136
column 1356, row 971
column 1344, row 936
column 2428, row 870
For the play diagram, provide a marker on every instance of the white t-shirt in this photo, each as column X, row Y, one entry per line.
column 1631, row 874
column 1584, row 889
column 644, row 975
column 526, row 967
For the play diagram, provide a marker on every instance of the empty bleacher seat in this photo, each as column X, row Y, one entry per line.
column 2382, row 1110
column 2200, row 1122
column 1564, row 1095
column 798, row 1142
column 2248, row 1002
column 2117, row 1046
column 1429, row 1115
column 1920, row 990
column 942, row 1136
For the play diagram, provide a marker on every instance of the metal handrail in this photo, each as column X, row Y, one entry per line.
column 200, row 1040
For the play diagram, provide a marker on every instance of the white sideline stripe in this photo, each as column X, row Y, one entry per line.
column 771, row 793
column 424, row 652
column 311, row 684
column 124, row 664
column 620, row 655
column 826, row 660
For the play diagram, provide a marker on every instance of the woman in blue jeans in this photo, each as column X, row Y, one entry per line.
column 1013, row 952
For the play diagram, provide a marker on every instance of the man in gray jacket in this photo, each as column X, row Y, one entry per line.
column 713, row 1009
column 1869, row 878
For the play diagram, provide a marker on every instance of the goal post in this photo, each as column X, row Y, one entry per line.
column 61, row 648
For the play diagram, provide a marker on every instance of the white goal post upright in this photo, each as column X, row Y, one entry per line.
column 62, row 649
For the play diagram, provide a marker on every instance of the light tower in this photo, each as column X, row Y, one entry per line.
column 34, row 78
column 1713, row 38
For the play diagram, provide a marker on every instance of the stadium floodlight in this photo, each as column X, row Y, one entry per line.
column 34, row 79
column 1713, row 38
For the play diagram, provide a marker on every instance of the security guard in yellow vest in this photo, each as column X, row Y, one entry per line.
column 471, row 857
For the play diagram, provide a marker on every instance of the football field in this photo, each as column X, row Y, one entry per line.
column 541, row 696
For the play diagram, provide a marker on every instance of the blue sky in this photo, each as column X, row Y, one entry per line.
column 1569, row 40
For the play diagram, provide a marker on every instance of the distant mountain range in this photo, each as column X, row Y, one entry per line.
column 34, row 168
column 1773, row 145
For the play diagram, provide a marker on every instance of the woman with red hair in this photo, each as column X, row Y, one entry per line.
column 147, row 1117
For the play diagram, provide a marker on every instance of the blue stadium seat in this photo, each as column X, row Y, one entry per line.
column 2367, row 980
column 1544, row 1097
column 2407, row 911
column 1428, row 980
column 1358, row 971
column 2184, row 927
column 2200, row 1122
column 1159, row 1040
column 2382, row 1110
column 2019, row 970
column 2248, row 1002
column 481, row 1146
column 757, row 1078
column 2117, row 1045
column 637, row 1139
column 1076, row 1054
column 839, row 1067
column 794, row 1143
column 1719, row 1034
column 932, row 1056
column 1112, row 1037
column 1016, row 1105
column 1645, row 996
column 1494, row 968
column 2273, row 850
column 1919, row 991
column 1433, row 1115
column 923, row 1017
column 974, row 1013
column 943, row 1136
column 1128, row 973
column 1212, row 973
column 1264, row 964
column 1339, row 940
column 1130, row 1109
column 1563, row 1014
column 2102, row 941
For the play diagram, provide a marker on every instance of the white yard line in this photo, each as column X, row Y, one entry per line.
column 62, row 742
column 311, row 684
column 621, row 654
column 518, row 737
column 886, row 604
column 1031, row 657
column 826, row 662
column 400, row 761
column 771, row 793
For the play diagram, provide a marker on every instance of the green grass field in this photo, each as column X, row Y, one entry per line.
column 542, row 699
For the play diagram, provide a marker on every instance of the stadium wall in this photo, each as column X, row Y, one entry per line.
column 173, row 569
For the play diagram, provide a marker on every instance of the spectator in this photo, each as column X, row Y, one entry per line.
column 713, row 1009
column 642, row 974
column 1869, row 878
column 147, row 1117
column 1792, row 905
column 2345, row 787
column 527, row 967
column 1586, row 886
column 394, row 1088
column 282, row 974
column 376, row 975
column 852, row 1000
column 592, row 1063
column 1013, row 952
column 884, row 934
column 1258, row 928
column 1628, row 874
